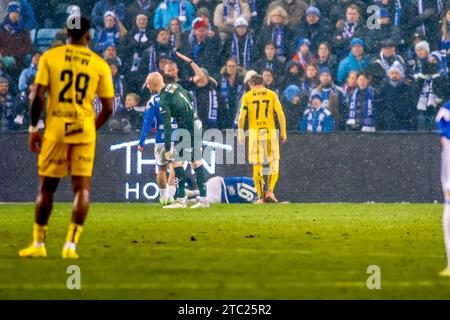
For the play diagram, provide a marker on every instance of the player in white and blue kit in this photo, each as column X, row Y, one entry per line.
column 152, row 119
column 229, row 190
column 443, row 124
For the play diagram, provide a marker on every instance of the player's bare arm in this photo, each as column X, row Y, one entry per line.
column 107, row 110
column 37, row 104
column 200, row 77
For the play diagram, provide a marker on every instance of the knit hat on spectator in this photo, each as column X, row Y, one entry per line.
column 325, row 69
column 423, row 45
column 303, row 41
column 14, row 7
column 200, row 23
column 109, row 44
column 203, row 12
column 313, row 10
column 396, row 66
column 388, row 43
column 109, row 14
column 317, row 96
column 249, row 75
column 357, row 42
column 240, row 22
column 436, row 55
column 3, row 80
column 291, row 91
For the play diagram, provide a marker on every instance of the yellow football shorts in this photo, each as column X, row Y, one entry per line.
column 57, row 159
column 263, row 148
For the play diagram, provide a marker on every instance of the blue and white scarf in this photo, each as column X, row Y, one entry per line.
column 427, row 96
column 183, row 5
column 398, row 13
column 310, row 113
column 11, row 27
column 308, row 86
column 119, row 106
column 152, row 64
column 213, row 107
column 236, row 8
column 278, row 39
column 385, row 64
column 248, row 49
column 225, row 90
column 349, row 30
column 253, row 10
column 145, row 4
column 8, row 104
column 367, row 108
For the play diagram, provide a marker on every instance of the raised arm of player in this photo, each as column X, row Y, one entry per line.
column 37, row 104
column 241, row 121
column 200, row 76
column 281, row 120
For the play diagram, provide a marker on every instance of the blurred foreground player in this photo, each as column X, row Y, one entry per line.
column 260, row 106
column 228, row 190
column 443, row 124
column 72, row 75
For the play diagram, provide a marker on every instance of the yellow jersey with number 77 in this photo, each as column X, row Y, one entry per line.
column 74, row 74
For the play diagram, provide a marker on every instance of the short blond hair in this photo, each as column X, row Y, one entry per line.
column 278, row 10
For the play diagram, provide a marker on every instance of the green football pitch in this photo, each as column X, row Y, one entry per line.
column 296, row 251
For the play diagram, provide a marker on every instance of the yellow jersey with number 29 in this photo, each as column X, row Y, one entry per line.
column 74, row 74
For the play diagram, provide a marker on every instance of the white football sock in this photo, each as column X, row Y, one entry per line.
column 162, row 194
column 446, row 226
column 172, row 191
column 70, row 245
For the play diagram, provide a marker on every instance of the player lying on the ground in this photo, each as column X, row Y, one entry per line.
column 260, row 106
column 153, row 118
column 228, row 190
column 72, row 75
column 177, row 103
column 443, row 123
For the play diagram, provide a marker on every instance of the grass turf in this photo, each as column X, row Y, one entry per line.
column 304, row 251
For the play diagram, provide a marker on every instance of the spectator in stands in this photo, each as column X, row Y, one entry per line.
column 310, row 80
column 325, row 58
column 314, row 29
column 295, row 9
column 150, row 57
column 424, row 18
column 269, row 80
column 293, row 75
column 110, row 53
column 387, row 57
column 304, row 56
column 292, row 107
column 348, row 29
column 22, row 107
column 135, row 43
column 422, row 50
column 133, row 114
column 205, row 50
column 6, row 107
column 176, row 37
column 396, row 102
column 227, row 13
column 356, row 60
column 333, row 98
column 15, row 40
column 29, row 72
column 140, row 7
column 269, row 61
column 377, row 36
column 103, row 6
column 348, row 88
column 26, row 12
column 4, row 74
column 431, row 88
column 445, row 39
column 169, row 9
column 231, row 89
column 361, row 111
column 276, row 31
column 110, row 32
column 241, row 45
column 317, row 118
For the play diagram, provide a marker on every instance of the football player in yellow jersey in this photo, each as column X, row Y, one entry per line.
column 72, row 75
column 260, row 105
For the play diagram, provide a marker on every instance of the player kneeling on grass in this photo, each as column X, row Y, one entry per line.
column 177, row 104
column 153, row 116
column 260, row 106
column 443, row 123
column 228, row 190
column 72, row 75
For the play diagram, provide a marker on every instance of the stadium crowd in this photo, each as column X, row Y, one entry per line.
column 336, row 64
